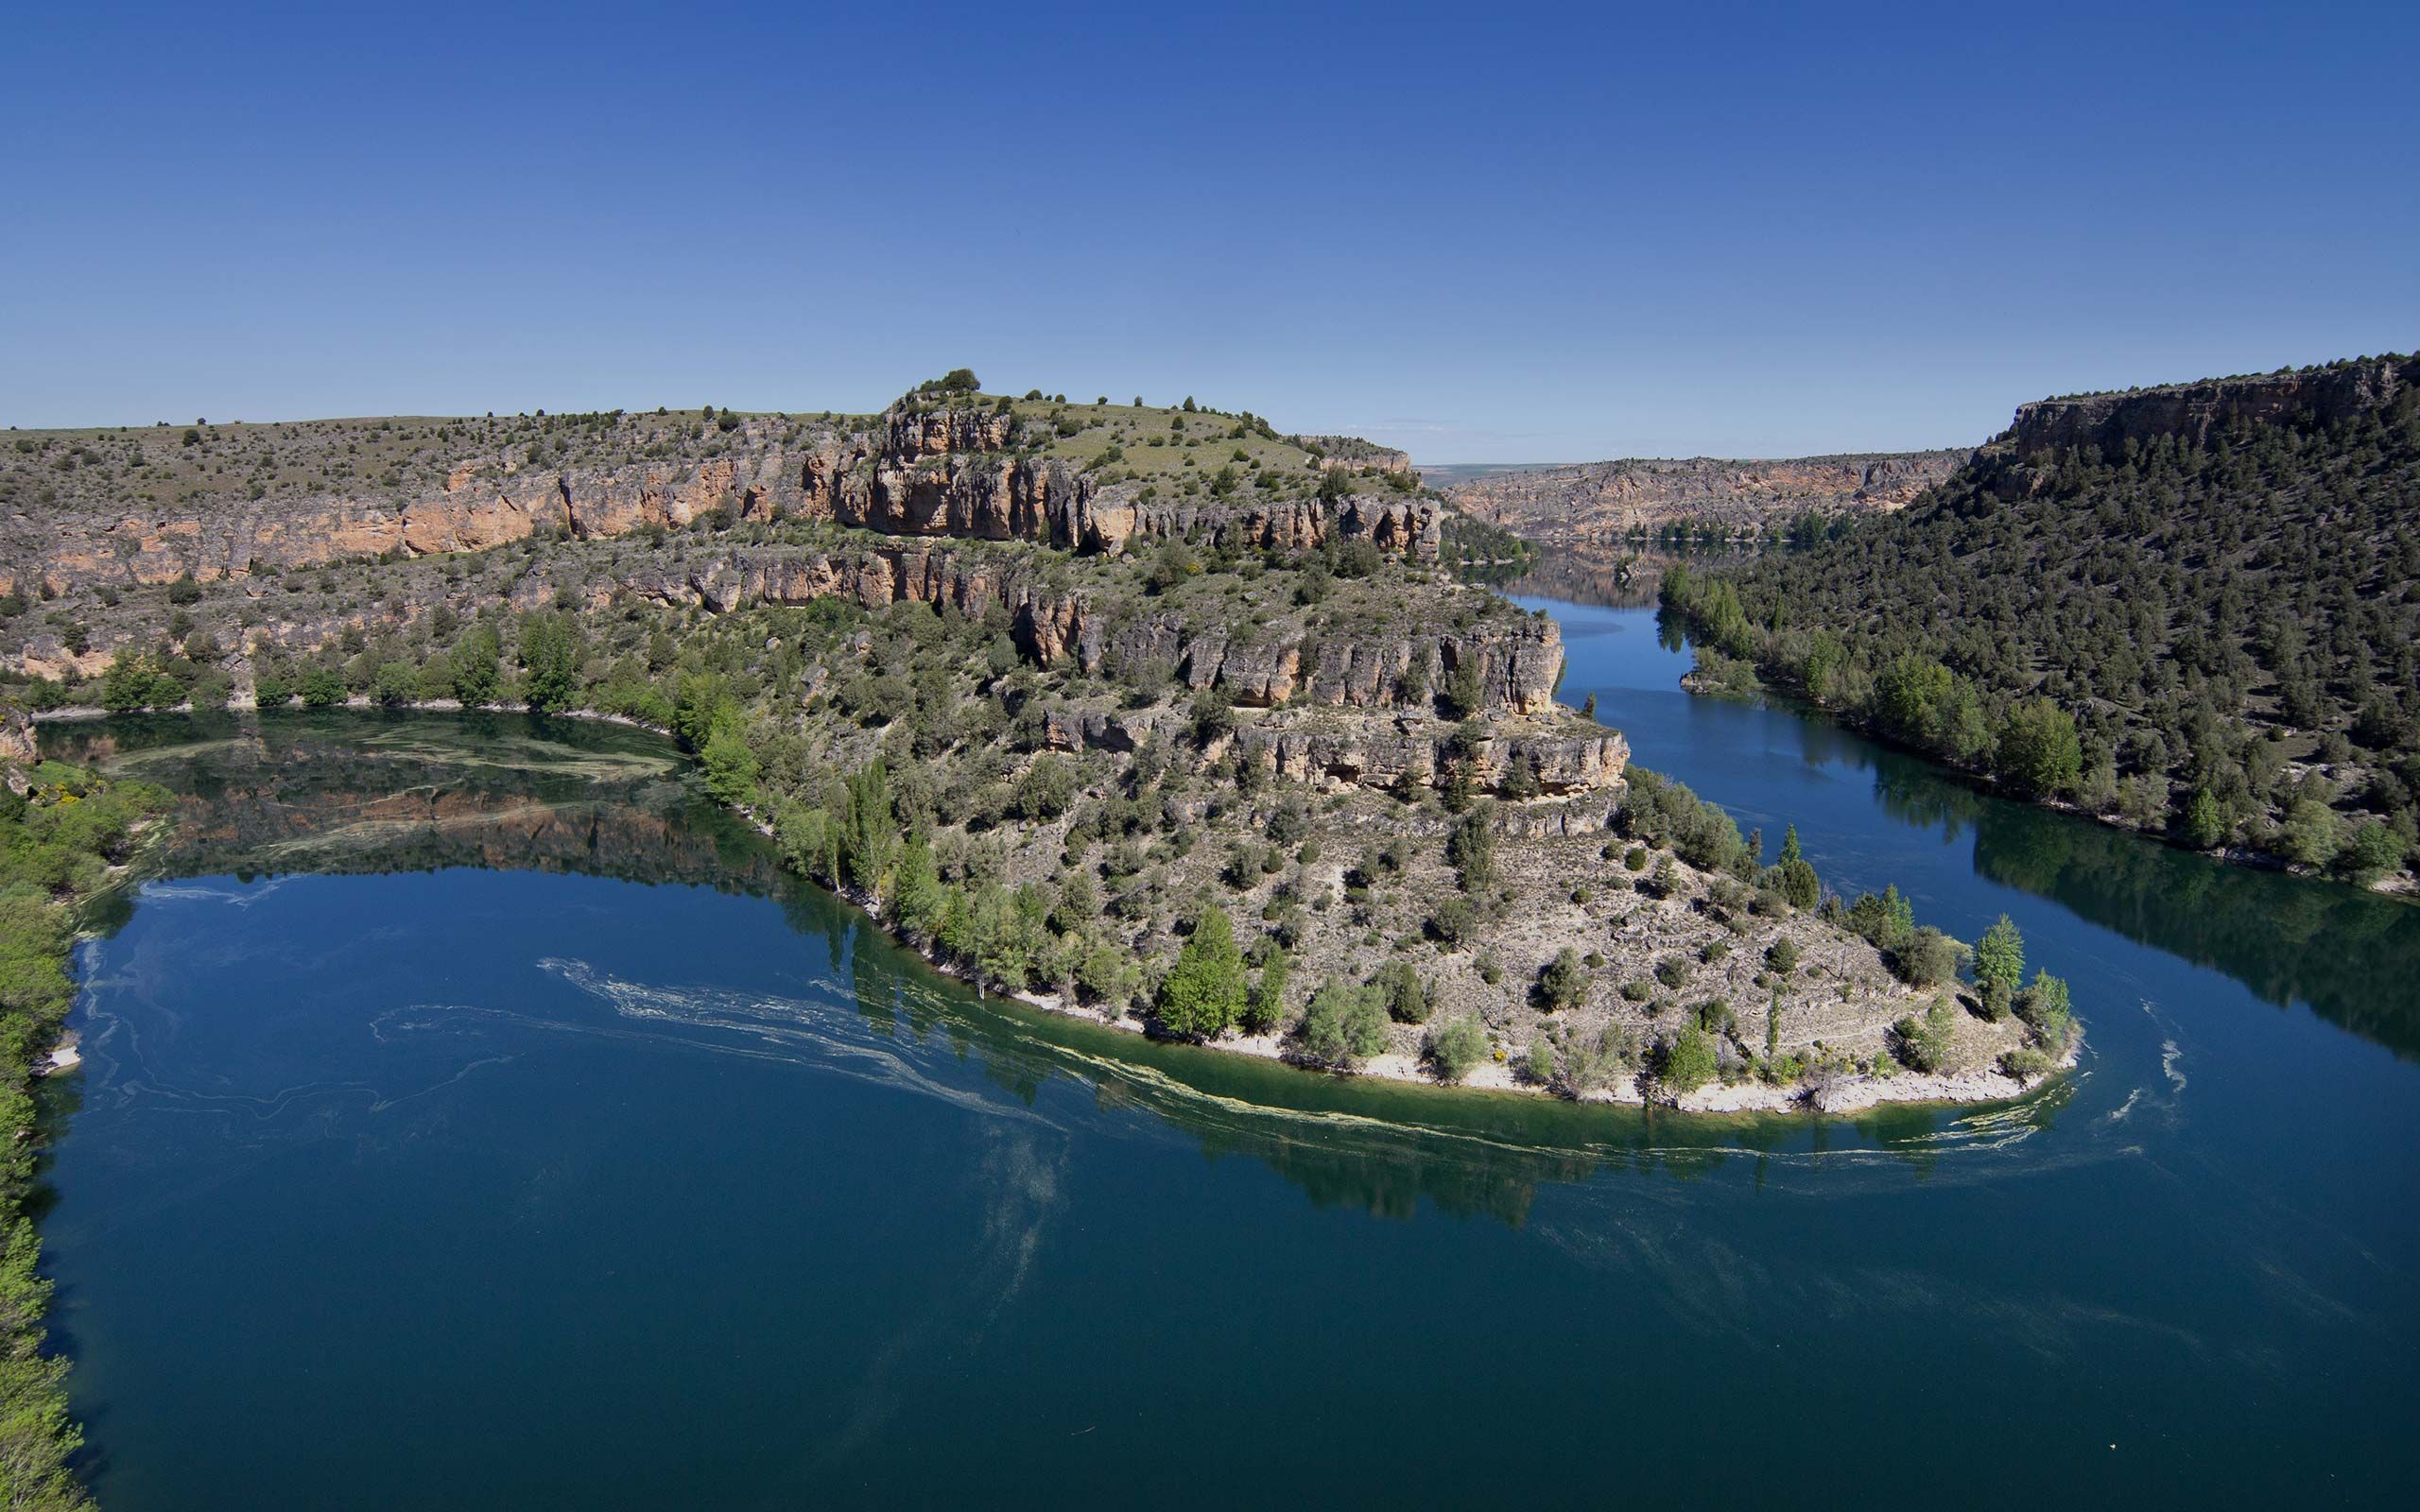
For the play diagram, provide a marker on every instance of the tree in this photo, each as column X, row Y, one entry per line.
column 2203, row 824
column 2311, row 834
column 1343, row 1025
column 550, row 655
column 2038, row 755
column 1407, row 997
column 322, row 687
column 1999, row 958
column 1265, row 1009
column 478, row 675
column 1925, row 957
column 916, row 891
column 1204, row 992
column 1465, row 691
column 868, row 828
column 1689, row 1061
column 395, row 684
column 1470, row 849
column 730, row 762
column 1790, row 852
column 2375, row 850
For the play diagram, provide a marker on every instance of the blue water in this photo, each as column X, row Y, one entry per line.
column 450, row 1162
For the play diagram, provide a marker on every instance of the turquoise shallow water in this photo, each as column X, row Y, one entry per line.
column 477, row 1119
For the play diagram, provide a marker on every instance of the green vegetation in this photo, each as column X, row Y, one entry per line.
column 1455, row 1046
column 2217, row 639
column 1205, row 994
column 1689, row 1061
column 1345, row 1024
column 55, row 846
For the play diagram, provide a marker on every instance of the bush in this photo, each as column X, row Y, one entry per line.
column 1455, row 1046
column 1781, row 955
column 1689, row 1061
column 1927, row 958
column 1344, row 1024
column 1407, row 998
column 1924, row 1043
column 1563, row 983
column 2024, row 1063
column 1454, row 921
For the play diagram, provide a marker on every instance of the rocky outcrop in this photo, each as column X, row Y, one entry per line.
column 1560, row 757
column 2195, row 413
column 1353, row 451
column 1603, row 500
column 917, row 470
column 18, row 754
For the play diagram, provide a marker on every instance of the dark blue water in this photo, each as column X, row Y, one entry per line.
column 450, row 1161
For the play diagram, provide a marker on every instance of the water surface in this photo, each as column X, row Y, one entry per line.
column 476, row 1118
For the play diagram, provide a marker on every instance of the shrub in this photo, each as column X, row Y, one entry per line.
column 1689, row 1061
column 1455, row 1046
column 1407, row 998
column 1454, row 921
column 1563, row 983
column 1781, row 955
column 1342, row 1025
column 1927, row 958
column 2024, row 1063
column 1924, row 1043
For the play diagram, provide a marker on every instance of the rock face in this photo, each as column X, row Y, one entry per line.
column 17, row 752
column 2196, row 412
column 1517, row 659
column 1353, row 451
column 917, row 470
column 1598, row 502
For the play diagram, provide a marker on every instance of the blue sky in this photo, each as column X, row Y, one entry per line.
column 1482, row 233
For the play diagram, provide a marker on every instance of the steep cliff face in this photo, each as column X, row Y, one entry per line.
column 1353, row 451
column 1605, row 501
column 2196, row 412
column 917, row 469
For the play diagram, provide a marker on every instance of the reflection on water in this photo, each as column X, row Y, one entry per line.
column 1609, row 578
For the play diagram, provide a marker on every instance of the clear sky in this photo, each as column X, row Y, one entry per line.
column 1480, row 233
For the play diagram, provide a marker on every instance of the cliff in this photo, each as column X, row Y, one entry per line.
column 88, row 510
column 2194, row 413
column 1602, row 501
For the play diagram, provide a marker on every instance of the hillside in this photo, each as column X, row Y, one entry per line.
column 2190, row 608
column 1634, row 500
column 1156, row 712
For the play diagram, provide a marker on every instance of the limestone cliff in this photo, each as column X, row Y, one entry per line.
column 253, row 503
column 1602, row 502
column 2195, row 412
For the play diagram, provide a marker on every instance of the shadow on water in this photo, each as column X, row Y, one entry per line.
column 354, row 793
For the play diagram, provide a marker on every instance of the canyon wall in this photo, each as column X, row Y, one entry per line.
column 1602, row 501
column 2198, row 411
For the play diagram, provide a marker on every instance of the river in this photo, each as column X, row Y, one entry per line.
column 473, row 1117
